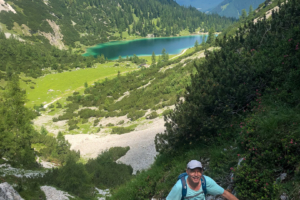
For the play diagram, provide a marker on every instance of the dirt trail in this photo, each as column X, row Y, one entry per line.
column 180, row 54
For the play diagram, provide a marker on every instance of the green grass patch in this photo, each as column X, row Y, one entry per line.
column 122, row 130
column 86, row 128
column 184, row 32
column 61, row 85
column 38, row 146
column 224, row 7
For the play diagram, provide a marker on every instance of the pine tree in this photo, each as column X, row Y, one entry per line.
column 129, row 30
column 250, row 11
column 15, row 125
column 9, row 71
column 203, row 39
column 244, row 14
column 44, row 131
column 196, row 44
column 163, row 55
column 153, row 58
column 211, row 36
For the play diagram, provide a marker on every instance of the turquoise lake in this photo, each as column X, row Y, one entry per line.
column 143, row 47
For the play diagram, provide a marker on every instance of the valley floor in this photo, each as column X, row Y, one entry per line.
column 91, row 141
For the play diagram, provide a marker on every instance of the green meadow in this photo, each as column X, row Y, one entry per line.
column 61, row 85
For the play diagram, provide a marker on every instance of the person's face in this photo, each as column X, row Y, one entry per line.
column 194, row 175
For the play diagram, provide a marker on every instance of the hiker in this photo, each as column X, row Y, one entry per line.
column 193, row 185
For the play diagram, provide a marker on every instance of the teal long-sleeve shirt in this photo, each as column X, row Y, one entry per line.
column 211, row 186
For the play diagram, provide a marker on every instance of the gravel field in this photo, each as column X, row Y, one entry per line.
column 141, row 142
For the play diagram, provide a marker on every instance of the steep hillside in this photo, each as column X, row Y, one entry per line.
column 240, row 116
column 76, row 23
column 233, row 8
column 264, row 11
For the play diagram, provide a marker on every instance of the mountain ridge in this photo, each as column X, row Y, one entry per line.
column 233, row 8
column 86, row 23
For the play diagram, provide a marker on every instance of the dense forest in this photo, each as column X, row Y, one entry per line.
column 94, row 21
column 37, row 59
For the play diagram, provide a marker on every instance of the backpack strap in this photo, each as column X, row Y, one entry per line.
column 184, row 186
column 203, row 183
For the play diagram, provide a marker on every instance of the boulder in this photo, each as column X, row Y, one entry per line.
column 7, row 192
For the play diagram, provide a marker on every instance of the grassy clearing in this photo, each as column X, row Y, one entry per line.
column 184, row 32
column 64, row 84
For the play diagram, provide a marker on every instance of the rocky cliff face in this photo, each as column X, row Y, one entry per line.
column 56, row 38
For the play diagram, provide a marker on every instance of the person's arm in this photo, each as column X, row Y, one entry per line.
column 176, row 191
column 229, row 196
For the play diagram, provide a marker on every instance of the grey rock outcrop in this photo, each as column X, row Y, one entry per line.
column 7, row 192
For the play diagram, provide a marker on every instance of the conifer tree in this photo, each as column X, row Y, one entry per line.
column 250, row 11
column 15, row 125
column 211, row 36
column 129, row 32
column 196, row 44
column 244, row 14
column 44, row 131
column 153, row 58
column 163, row 54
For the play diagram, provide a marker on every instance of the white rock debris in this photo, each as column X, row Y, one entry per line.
column 105, row 193
column 45, row 164
column 6, row 7
column 6, row 169
column 54, row 194
column 56, row 38
column 7, row 192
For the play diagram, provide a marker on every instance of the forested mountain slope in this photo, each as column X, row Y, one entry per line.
column 37, row 59
column 233, row 8
column 64, row 22
column 201, row 5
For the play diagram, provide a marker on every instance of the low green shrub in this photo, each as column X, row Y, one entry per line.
column 167, row 112
column 122, row 130
column 106, row 172
column 120, row 122
column 109, row 124
column 152, row 115
column 96, row 122
column 72, row 127
column 134, row 115
column 58, row 105
column 53, row 149
column 269, row 143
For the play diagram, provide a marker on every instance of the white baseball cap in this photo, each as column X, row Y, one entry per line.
column 194, row 164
